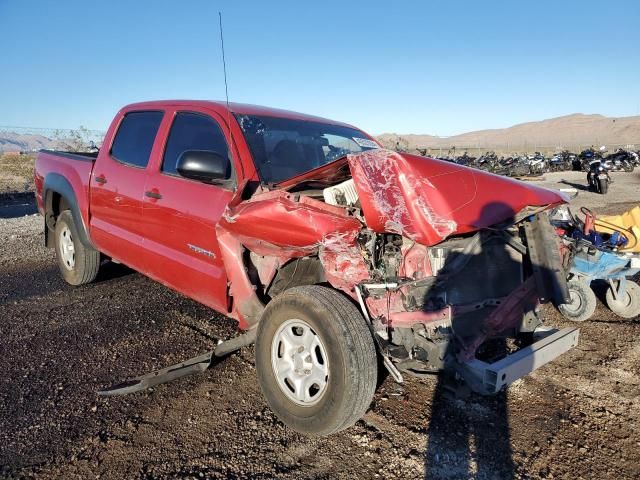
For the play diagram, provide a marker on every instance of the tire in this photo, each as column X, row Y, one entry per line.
column 583, row 302
column 603, row 186
column 349, row 360
column 629, row 305
column 78, row 264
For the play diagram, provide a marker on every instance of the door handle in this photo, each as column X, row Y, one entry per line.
column 101, row 179
column 152, row 194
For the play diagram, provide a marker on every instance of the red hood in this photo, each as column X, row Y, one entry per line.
column 427, row 200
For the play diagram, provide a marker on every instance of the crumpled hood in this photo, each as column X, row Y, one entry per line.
column 428, row 200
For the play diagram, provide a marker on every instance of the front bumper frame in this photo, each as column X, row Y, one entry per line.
column 490, row 378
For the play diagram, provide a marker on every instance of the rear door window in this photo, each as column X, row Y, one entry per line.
column 134, row 139
column 192, row 131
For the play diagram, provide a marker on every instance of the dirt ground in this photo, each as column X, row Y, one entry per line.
column 578, row 417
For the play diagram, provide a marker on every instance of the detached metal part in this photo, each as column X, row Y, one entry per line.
column 489, row 378
column 544, row 250
column 193, row 365
column 391, row 368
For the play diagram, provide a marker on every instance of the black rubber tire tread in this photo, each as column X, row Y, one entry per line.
column 625, row 310
column 87, row 260
column 603, row 186
column 345, row 329
column 588, row 298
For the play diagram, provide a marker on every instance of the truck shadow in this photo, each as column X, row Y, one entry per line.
column 17, row 205
column 25, row 281
column 469, row 434
column 112, row 271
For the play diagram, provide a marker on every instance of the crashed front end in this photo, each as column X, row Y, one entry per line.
column 448, row 264
column 470, row 304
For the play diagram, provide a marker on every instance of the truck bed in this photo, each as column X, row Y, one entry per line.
column 74, row 168
column 85, row 156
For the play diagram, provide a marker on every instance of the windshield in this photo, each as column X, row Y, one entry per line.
column 283, row 148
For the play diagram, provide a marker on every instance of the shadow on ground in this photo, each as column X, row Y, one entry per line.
column 577, row 186
column 17, row 205
column 472, row 437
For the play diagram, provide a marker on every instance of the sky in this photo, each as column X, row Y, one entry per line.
column 431, row 67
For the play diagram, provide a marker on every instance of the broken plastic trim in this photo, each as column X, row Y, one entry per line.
column 391, row 368
column 179, row 370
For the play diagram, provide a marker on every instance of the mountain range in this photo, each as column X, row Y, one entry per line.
column 18, row 142
column 567, row 131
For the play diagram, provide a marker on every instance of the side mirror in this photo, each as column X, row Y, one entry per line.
column 203, row 165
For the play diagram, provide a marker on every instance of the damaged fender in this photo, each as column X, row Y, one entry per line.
column 280, row 226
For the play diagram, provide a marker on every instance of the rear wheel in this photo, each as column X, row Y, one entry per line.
column 78, row 264
column 626, row 305
column 583, row 302
column 316, row 360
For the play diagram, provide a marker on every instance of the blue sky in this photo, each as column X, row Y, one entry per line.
column 393, row 66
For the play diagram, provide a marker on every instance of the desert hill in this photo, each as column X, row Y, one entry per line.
column 570, row 130
column 17, row 142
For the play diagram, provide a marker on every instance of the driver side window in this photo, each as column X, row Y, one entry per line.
column 192, row 131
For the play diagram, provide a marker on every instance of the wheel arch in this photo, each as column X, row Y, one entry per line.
column 297, row 272
column 58, row 195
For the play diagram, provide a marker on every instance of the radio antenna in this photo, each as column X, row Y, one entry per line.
column 224, row 63
column 226, row 88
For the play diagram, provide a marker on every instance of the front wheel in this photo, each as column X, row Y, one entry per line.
column 626, row 305
column 316, row 360
column 582, row 304
column 603, row 185
column 78, row 263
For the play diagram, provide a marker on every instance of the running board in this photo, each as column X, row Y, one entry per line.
column 194, row 365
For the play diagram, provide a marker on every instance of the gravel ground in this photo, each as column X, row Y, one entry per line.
column 578, row 417
column 623, row 189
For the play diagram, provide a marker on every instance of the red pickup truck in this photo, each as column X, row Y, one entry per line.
column 335, row 255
